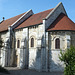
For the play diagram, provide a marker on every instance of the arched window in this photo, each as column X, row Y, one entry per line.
column 18, row 43
column 57, row 43
column 32, row 42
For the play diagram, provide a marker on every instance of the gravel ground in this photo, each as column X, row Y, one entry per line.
column 16, row 71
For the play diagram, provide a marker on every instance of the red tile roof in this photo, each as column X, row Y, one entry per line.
column 4, row 25
column 35, row 19
column 62, row 23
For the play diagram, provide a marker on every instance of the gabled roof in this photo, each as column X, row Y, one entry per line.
column 32, row 20
column 35, row 19
column 4, row 25
column 62, row 23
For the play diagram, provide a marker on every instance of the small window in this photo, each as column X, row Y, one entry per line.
column 18, row 43
column 57, row 43
column 32, row 42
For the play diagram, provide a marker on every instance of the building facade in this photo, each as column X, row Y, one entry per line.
column 34, row 41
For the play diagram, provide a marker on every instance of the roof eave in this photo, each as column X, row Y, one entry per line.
column 28, row 26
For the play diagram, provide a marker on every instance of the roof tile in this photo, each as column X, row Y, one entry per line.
column 35, row 19
column 4, row 25
column 62, row 23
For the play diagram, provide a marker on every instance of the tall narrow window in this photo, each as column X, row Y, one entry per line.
column 18, row 43
column 57, row 43
column 32, row 42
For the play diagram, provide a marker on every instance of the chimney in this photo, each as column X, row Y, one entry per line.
column 2, row 20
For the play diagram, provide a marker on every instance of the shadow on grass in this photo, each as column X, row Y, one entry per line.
column 3, row 70
column 32, row 72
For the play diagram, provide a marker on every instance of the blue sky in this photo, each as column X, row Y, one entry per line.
column 11, row 8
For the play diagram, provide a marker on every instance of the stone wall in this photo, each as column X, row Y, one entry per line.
column 30, row 56
column 2, row 59
column 27, row 55
column 24, row 52
column 61, row 36
column 18, row 36
column 4, row 50
column 54, row 63
column 73, row 39
column 35, row 52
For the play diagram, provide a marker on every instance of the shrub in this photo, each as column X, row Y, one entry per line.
column 69, row 59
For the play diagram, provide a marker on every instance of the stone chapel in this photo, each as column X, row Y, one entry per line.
column 34, row 41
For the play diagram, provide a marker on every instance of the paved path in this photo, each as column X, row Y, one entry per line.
column 15, row 71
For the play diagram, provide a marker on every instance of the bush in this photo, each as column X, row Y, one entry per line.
column 69, row 59
column 2, row 70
